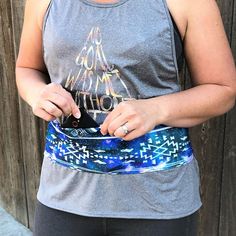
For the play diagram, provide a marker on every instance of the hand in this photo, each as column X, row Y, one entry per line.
column 54, row 101
column 137, row 116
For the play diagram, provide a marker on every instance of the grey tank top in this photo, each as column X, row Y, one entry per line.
column 134, row 41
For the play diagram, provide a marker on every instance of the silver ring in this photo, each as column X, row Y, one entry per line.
column 125, row 129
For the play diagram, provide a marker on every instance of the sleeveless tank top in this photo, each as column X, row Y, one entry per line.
column 109, row 53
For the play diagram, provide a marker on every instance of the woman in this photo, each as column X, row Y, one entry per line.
column 119, row 61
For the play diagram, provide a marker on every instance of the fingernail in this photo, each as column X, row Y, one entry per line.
column 77, row 115
column 102, row 132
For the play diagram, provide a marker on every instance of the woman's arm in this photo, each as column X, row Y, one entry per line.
column 212, row 71
column 48, row 101
column 211, row 67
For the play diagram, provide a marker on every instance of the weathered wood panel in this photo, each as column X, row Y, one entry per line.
column 227, row 225
column 208, row 144
column 32, row 129
column 226, row 10
column 233, row 35
column 13, row 196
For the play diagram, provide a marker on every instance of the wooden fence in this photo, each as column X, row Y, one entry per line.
column 21, row 149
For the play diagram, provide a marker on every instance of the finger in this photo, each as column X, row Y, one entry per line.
column 116, row 123
column 61, row 102
column 120, row 132
column 132, row 135
column 110, row 117
column 51, row 108
column 106, row 123
column 43, row 114
column 65, row 102
column 74, row 109
column 62, row 98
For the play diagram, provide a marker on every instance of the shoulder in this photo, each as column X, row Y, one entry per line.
column 35, row 11
column 189, row 12
column 207, row 49
column 30, row 52
column 200, row 10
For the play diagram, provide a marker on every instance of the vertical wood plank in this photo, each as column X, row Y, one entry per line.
column 226, row 10
column 228, row 193
column 208, row 145
column 12, row 194
column 233, row 34
column 32, row 129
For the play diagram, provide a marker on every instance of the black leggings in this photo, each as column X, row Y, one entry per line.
column 51, row 222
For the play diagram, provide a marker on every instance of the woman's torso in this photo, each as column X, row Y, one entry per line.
column 109, row 54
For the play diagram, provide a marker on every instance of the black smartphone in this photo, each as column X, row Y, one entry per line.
column 85, row 121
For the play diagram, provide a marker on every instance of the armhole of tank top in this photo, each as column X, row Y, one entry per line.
column 172, row 42
column 179, row 46
column 176, row 28
column 46, row 14
column 43, row 27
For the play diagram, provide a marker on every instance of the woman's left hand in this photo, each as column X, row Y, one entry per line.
column 130, row 119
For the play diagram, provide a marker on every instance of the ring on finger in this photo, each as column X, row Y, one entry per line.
column 125, row 129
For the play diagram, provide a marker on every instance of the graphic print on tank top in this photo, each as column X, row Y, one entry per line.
column 99, row 86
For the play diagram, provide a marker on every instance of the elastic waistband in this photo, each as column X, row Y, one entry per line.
column 162, row 148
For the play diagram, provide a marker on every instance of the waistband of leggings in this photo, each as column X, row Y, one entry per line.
column 88, row 150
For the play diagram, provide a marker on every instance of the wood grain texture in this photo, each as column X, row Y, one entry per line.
column 13, row 196
column 32, row 129
column 227, row 226
column 226, row 10
column 208, row 145
column 233, row 33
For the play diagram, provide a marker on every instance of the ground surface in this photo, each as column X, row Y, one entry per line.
column 10, row 227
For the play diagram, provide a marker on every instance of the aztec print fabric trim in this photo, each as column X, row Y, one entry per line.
column 162, row 148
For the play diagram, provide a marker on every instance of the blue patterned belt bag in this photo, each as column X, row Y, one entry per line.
column 87, row 149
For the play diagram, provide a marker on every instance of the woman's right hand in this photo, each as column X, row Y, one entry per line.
column 54, row 101
column 48, row 101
